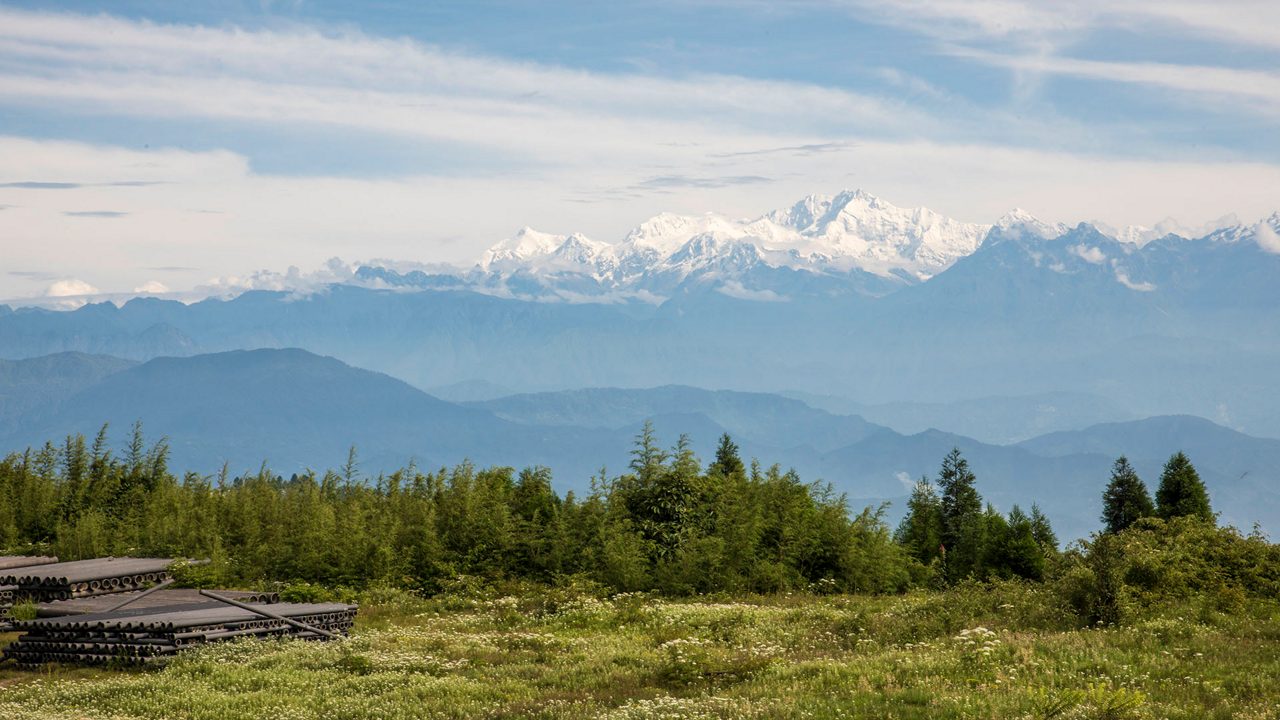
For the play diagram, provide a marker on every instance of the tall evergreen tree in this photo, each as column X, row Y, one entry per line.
column 727, row 461
column 1181, row 491
column 920, row 532
column 1043, row 532
column 1023, row 555
column 961, row 509
column 1126, row 499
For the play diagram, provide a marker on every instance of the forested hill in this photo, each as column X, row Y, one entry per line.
column 295, row 410
column 36, row 384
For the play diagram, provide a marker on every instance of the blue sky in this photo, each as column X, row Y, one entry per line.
column 169, row 145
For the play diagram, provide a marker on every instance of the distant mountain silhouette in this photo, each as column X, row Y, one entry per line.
column 42, row 383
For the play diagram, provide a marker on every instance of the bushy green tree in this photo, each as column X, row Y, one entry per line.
column 1182, row 493
column 1126, row 499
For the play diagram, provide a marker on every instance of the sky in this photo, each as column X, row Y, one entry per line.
column 172, row 148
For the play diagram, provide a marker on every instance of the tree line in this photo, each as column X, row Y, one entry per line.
column 668, row 523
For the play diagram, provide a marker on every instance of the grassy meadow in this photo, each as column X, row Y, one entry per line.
column 996, row 650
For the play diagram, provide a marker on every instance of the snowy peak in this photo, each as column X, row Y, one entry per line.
column 524, row 245
column 882, row 238
column 802, row 215
column 1020, row 222
column 664, row 234
column 1142, row 234
column 850, row 242
column 851, row 232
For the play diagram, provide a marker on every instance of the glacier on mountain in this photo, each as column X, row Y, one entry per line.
column 852, row 233
column 852, row 243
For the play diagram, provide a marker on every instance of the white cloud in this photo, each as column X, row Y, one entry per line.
column 1245, row 21
column 151, row 287
column 1268, row 239
column 1259, row 88
column 70, row 287
column 111, row 65
column 575, row 150
column 1029, row 37
column 291, row 280
column 1123, row 278
column 736, row 289
column 68, row 293
column 277, row 221
column 1091, row 255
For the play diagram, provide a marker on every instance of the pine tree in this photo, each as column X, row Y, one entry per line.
column 993, row 555
column 727, row 462
column 920, row 532
column 1125, row 500
column 961, row 508
column 647, row 457
column 1181, row 491
column 1043, row 532
column 1022, row 554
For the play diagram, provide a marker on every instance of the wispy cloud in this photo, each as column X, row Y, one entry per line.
column 1242, row 21
column 110, row 65
column 1259, row 89
column 95, row 213
column 735, row 289
column 42, row 185
column 1267, row 238
column 1123, row 278
column 794, row 150
column 567, row 149
column 665, row 182
column 1034, row 38
column 33, row 185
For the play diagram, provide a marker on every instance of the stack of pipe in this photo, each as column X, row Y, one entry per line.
column 151, row 636
column 9, row 591
column 177, row 599
column 86, row 578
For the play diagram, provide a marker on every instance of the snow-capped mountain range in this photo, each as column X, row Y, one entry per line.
column 852, row 233
column 850, row 243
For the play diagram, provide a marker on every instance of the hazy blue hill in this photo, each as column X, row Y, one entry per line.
column 290, row 408
column 1153, row 437
column 760, row 419
column 1242, row 471
column 133, row 331
column 44, row 382
column 999, row 420
column 885, row 465
column 1066, row 472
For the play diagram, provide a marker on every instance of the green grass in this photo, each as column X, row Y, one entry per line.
column 1003, row 651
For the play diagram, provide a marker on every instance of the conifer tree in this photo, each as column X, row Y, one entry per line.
column 1181, row 491
column 727, row 462
column 961, row 508
column 993, row 554
column 920, row 532
column 1126, row 499
column 1022, row 554
column 1043, row 532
